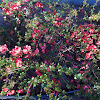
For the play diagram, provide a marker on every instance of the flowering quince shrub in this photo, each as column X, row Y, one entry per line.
column 47, row 43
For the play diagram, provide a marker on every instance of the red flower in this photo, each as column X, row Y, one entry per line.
column 3, row 48
column 20, row 91
column 42, row 47
column 57, row 23
column 39, row 4
column 38, row 72
column 78, row 86
column 86, row 87
column 48, row 69
column 16, row 51
column 87, row 56
column 12, row 32
column 60, row 47
column 91, row 31
column 73, row 34
column 98, row 42
column 26, row 49
column 5, row 89
column 11, row 92
column 93, row 48
column 36, row 51
column 18, row 62
column 67, row 41
column 81, row 10
column 72, row 80
column 82, row 72
column 49, row 41
column 75, row 66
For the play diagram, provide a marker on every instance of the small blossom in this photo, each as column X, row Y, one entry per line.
column 73, row 34
column 42, row 47
column 39, row 4
column 18, row 62
column 86, row 88
column 48, row 69
column 36, row 51
column 87, row 56
column 20, row 91
column 38, row 72
column 75, row 66
column 11, row 92
column 72, row 80
column 78, row 86
column 3, row 48
column 91, row 31
column 26, row 49
column 67, row 41
column 98, row 42
column 5, row 89
column 12, row 32
column 16, row 51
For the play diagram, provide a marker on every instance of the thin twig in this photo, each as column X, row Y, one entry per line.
column 94, row 74
column 12, row 71
column 28, row 91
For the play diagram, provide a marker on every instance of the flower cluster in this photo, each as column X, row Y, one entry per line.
column 47, row 48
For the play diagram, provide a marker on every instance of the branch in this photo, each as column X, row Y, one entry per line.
column 94, row 74
column 28, row 91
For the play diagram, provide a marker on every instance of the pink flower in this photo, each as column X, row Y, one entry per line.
column 48, row 69
column 73, row 34
column 78, row 86
column 8, row 12
column 38, row 72
column 58, row 19
column 29, row 90
column 36, row 51
column 86, row 88
column 60, row 47
column 42, row 47
column 20, row 91
column 33, row 35
column 18, row 62
column 45, row 62
column 26, row 49
column 3, row 48
column 81, row 10
column 88, row 47
column 72, row 80
column 53, row 43
column 49, row 41
column 25, row 0
column 5, row 89
column 18, row 3
column 45, row 30
column 93, row 47
column 43, row 50
column 82, row 72
column 91, row 31
column 39, row 4
column 75, row 66
column 11, row 32
column 98, row 42
column 57, row 23
column 11, row 92
column 16, row 51
column 8, row 67
column 87, row 56
column 82, row 51
column 67, row 41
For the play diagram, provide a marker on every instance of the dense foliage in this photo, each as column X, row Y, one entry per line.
column 50, row 48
